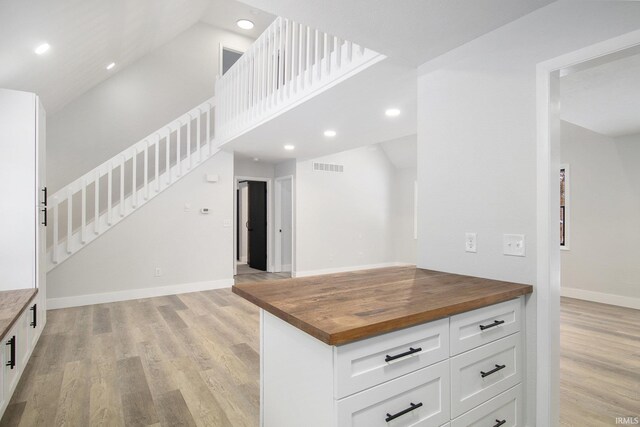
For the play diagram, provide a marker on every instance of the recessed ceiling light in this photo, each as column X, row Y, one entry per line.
column 110, row 66
column 289, row 147
column 245, row 24
column 330, row 133
column 255, row 159
column 42, row 48
column 392, row 112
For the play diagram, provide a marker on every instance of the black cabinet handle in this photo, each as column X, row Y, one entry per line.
column 491, row 325
column 44, row 211
column 34, row 322
column 499, row 423
column 44, row 190
column 12, row 342
column 413, row 407
column 493, row 371
column 406, row 353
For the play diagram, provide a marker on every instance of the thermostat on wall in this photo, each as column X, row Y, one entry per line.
column 204, row 210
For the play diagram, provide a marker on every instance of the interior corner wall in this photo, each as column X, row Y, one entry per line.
column 135, row 101
column 343, row 220
column 604, row 235
column 190, row 248
column 403, row 214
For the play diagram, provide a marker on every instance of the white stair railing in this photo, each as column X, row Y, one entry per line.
column 91, row 205
column 286, row 65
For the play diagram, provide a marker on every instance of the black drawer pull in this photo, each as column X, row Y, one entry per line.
column 406, row 353
column 493, row 371
column 491, row 325
column 12, row 361
column 44, row 190
column 499, row 423
column 34, row 322
column 44, row 211
column 413, row 407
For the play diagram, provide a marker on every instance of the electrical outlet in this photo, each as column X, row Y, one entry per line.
column 158, row 272
column 471, row 242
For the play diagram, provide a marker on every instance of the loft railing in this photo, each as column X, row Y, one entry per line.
column 92, row 204
column 286, row 65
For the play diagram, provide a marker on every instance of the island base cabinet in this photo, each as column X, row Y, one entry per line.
column 505, row 410
column 420, row 398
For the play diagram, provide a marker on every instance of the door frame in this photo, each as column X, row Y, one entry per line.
column 236, row 181
column 278, row 222
column 548, row 207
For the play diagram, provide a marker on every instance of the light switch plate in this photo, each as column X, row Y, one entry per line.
column 471, row 242
column 514, row 244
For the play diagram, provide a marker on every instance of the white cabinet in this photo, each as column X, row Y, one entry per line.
column 22, row 184
column 415, row 376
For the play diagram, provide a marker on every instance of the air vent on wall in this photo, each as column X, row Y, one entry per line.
column 327, row 167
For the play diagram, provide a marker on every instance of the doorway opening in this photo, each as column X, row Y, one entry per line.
column 252, row 227
column 562, row 323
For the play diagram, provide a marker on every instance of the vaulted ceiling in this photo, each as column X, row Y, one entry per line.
column 87, row 35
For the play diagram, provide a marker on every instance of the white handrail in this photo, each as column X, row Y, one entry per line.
column 287, row 64
column 187, row 142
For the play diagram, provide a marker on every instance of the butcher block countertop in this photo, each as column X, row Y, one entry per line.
column 11, row 305
column 341, row 308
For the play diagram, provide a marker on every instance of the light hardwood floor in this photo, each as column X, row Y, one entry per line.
column 192, row 359
column 599, row 363
column 180, row 360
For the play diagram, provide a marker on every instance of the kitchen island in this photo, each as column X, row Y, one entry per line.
column 396, row 346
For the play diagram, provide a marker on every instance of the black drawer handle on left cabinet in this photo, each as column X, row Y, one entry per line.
column 12, row 342
column 34, row 322
column 493, row 371
column 499, row 423
column 406, row 353
column 491, row 325
column 44, row 220
column 413, row 407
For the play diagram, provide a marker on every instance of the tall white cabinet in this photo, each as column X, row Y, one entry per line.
column 23, row 219
column 22, row 191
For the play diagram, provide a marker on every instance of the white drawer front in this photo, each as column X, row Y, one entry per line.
column 428, row 388
column 480, row 374
column 505, row 410
column 484, row 325
column 363, row 364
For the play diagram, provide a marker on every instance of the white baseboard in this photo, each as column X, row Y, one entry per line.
column 601, row 297
column 345, row 269
column 101, row 298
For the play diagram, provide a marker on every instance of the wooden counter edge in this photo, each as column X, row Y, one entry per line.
column 15, row 318
column 368, row 331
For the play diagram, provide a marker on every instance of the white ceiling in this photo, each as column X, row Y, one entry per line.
column 86, row 35
column 413, row 31
column 604, row 98
column 354, row 109
column 225, row 13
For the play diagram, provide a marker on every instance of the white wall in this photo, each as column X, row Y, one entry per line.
column 343, row 220
column 477, row 143
column 477, row 135
column 243, row 242
column 134, row 102
column 189, row 247
column 605, row 216
column 403, row 214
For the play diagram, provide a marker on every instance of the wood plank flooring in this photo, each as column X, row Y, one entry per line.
column 181, row 360
column 193, row 360
column 599, row 363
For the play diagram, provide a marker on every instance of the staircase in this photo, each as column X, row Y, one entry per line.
column 287, row 65
column 91, row 205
